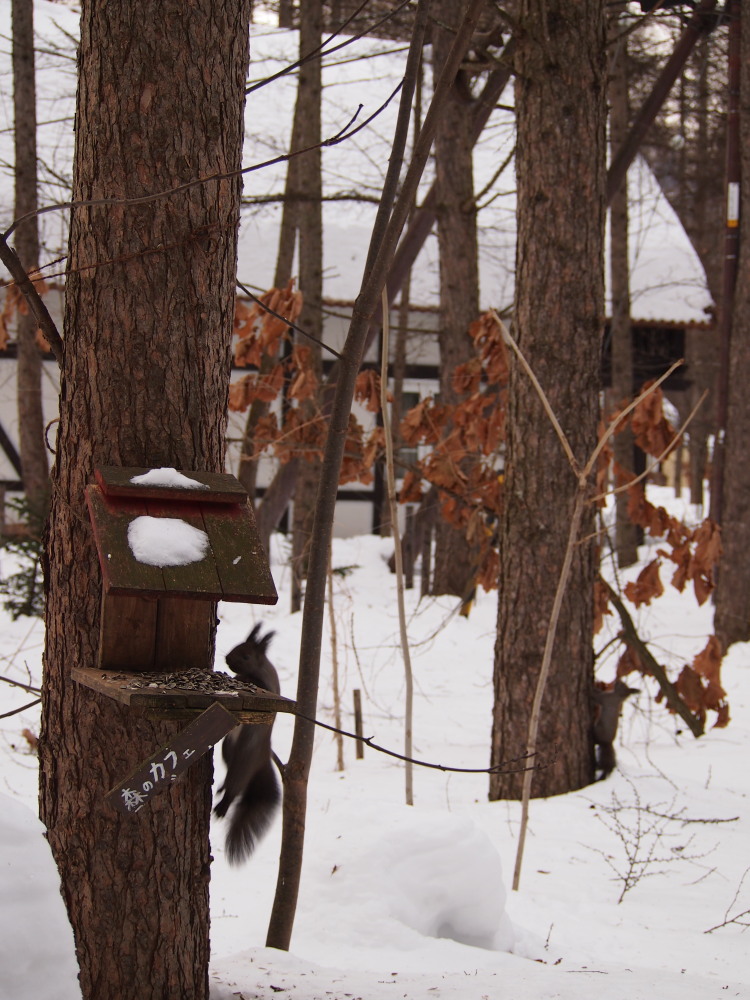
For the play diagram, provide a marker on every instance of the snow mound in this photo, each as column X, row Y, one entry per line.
column 35, row 937
column 167, row 476
column 166, row 541
column 443, row 878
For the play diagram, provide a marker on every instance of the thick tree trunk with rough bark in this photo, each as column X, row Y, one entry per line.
column 560, row 163
column 459, row 269
column 148, row 323
column 34, row 465
column 732, row 617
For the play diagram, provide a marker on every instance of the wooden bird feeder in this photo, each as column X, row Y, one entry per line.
column 160, row 617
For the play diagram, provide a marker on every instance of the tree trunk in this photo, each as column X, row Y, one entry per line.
column 148, row 321
column 391, row 216
column 459, row 271
column 732, row 617
column 310, row 221
column 286, row 13
column 248, row 470
column 277, row 496
column 626, row 532
column 35, row 469
column 558, row 319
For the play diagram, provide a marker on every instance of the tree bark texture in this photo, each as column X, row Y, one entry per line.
column 148, row 320
column 560, row 158
column 310, row 222
column 732, row 617
column 626, row 533
column 34, row 465
column 459, row 269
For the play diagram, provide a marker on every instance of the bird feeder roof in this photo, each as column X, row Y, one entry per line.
column 141, row 518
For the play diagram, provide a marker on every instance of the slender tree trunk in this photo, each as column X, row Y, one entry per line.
column 276, row 498
column 701, row 358
column 286, row 13
column 560, row 162
column 732, row 618
column 29, row 368
column 310, row 220
column 248, row 471
column 459, row 271
column 149, row 309
column 389, row 222
column 626, row 533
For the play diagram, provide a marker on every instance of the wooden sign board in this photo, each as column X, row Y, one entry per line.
column 158, row 772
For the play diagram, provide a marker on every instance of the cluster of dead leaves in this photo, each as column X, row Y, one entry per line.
column 652, row 432
column 301, row 432
column 698, row 684
column 258, row 331
column 465, row 438
column 15, row 304
column 694, row 551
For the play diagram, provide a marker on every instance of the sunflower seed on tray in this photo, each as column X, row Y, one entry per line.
column 194, row 679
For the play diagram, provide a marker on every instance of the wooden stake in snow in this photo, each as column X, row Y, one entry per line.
column 335, row 669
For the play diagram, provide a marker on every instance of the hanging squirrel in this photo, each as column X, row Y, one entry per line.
column 247, row 754
column 608, row 702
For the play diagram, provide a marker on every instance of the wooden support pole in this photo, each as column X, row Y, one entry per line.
column 358, row 724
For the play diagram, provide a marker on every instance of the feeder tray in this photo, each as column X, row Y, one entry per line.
column 184, row 694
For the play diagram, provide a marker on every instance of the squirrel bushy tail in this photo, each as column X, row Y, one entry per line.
column 250, row 779
column 252, row 814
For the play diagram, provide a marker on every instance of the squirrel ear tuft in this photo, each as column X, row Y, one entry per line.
column 265, row 642
column 254, row 636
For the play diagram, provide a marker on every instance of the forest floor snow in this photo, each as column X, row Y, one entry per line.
column 415, row 902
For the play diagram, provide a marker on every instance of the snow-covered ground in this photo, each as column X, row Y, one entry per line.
column 415, row 902
column 401, row 901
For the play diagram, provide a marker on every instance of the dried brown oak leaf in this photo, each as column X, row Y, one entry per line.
column 488, row 339
column 630, row 662
column 467, row 377
column 647, row 586
column 652, row 431
column 601, row 604
column 423, row 423
column 411, row 488
column 367, row 390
